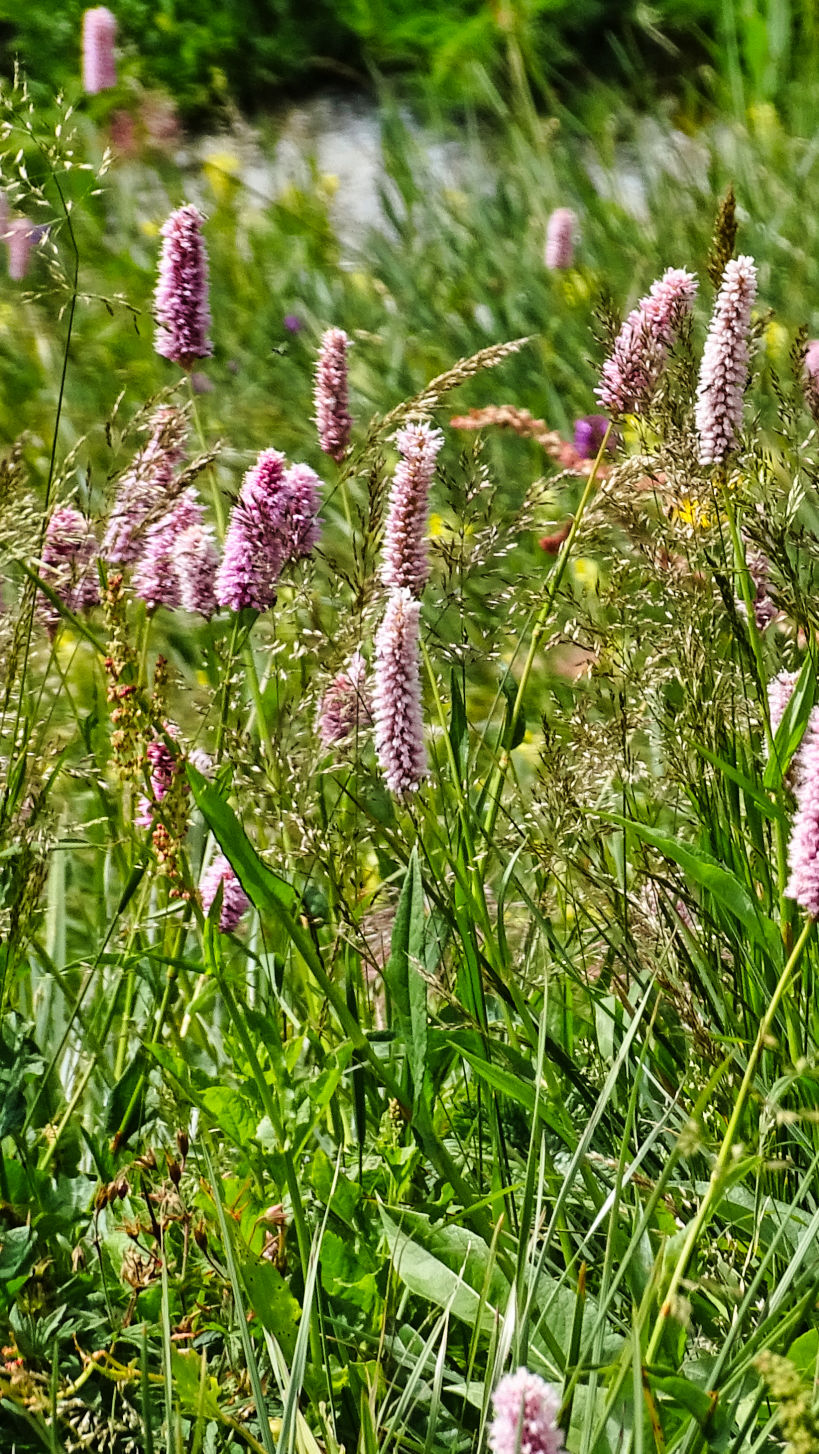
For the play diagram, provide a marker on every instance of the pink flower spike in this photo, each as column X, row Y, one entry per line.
column 163, row 767
column 156, row 579
column 560, row 231
column 196, row 564
column 330, row 396
column 724, row 368
column 405, row 557
column 181, row 299
column 399, row 726
column 811, row 378
column 235, row 901
column 252, row 562
column 69, row 564
column 299, row 511
column 99, row 67
column 631, row 374
column 145, row 486
column 345, row 706
column 803, row 849
column 20, row 238
column 525, row 1421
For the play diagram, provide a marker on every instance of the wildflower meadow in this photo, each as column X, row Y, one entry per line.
column 409, row 776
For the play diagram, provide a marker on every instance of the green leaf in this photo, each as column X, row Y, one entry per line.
column 749, row 788
column 403, row 976
column 427, row 1276
column 16, row 1252
column 192, row 1385
column 458, row 725
column 258, row 881
column 273, row 1302
column 120, row 1103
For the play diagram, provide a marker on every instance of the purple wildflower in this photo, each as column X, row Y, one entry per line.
column 181, row 300
column 235, row 901
column 273, row 521
column 330, row 394
column 99, row 67
column 525, row 1421
column 630, row 375
column 803, row 849
column 163, row 768
column 20, row 239
column 560, row 231
column 405, row 556
column 765, row 608
column 252, row 561
column 196, row 564
column 145, row 486
column 68, row 563
column 589, row 433
column 156, row 579
column 724, row 368
column 399, row 726
column 810, row 378
column 345, row 706
column 780, row 691
column 292, row 323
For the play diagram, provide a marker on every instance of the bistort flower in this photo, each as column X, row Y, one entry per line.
column 630, row 375
column 274, row 521
column 560, row 231
column 181, row 300
column 330, row 394
column 345, row 706
column 405, row 555
column 810, row 378
column 803, row 849
column 145, row 488
column 156, row 578
column 196, row 564
column 780, row 691
column 235, row 901
column 525, row 1421
column 99, row 67
column 69, row 563
column 724, row 368
column 399, row 725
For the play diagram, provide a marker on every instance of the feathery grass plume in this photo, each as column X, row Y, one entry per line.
column 181, row 299
column 330, row 395
column 810, row 378
column 69, row 554
column 631, row 373
column 235, row 901
column 560, row 231
column 145, row 486
column 99, row 67
column 399, row 725
column 156, row 578
column 803, row 849
column 345, row 706
column 252, row 562
column 196, row 562
column 525, row 1416
column 20, row 238
column 724, row 239
column 405, row 557
column 724, row 367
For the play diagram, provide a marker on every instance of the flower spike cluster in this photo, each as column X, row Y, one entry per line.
column 99, row 67
column 69, row 564
column 525, row 1421
column 157, row 576
column 399, row 725
column 724, row 368
column 181, row 300
column 274, row 520
column 145, row 486
column 345, row 706
column 631, row 374
column 405, row 556
column 803, row 849
column 235, row 901
column 333, row 419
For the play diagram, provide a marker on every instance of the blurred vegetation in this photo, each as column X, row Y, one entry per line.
column 252, row 51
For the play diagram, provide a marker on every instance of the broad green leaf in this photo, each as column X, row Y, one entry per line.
column 187, row 1368
column 427, row 1276
column 272, row 1301
column 258, row 881
column 403, row 976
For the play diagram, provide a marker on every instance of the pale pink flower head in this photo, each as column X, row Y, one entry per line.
column 345, row 706
column 68, row 564
column 803, row 849
column 525, row 1421
column 99, row 67
column 330, row 395
column 405, row 556
column 397, row 712
column 20, row 238
column 235, row 901
column 780, row 691
column 810, row 378
column 252, row 561
column 631, row 374
column 156, row 578
column 724, row 367
column 163, row 766
column 196, row 564
column 560, row 234
column 146, row 486
column 181, row 299
column 299, row 506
